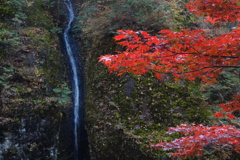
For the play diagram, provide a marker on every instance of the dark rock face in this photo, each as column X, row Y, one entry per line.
column 31, row 113
column 129, row 86
column 33, row 140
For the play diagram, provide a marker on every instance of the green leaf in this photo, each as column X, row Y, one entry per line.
column 2, row 78
column 9, row 69
column 62, row 101
column 67, row 91
column 57, row 90
column 29, row 89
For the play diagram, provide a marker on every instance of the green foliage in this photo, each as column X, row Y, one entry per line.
column 221, row 92
column 10, row 15
column 6, row 73
column 57, row 30
column 179, row 17
column 19, row 18
column 8, row 8
column 12, row 12
column 145, row 14
column 101, row 18
column 62, row 94
column 36, row 17
column 47, row 4
column 9, row 39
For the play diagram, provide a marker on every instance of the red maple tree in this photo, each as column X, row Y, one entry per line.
column 228, row 107
column 216, row 10
column 187, row 54
column 197, row 137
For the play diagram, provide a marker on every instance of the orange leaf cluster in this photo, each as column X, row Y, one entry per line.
column 185, row 54
column 231, row 106
column 197, row 137
column 216, row 10
column 222, row 115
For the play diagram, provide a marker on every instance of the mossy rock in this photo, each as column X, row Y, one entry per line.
column 141, row 108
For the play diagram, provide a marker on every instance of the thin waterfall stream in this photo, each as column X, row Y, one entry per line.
column 80, row 137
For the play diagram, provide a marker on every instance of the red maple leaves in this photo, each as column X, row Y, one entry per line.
column 196, row 137
column 231, row 106
column 216, row 10
column 186, row 54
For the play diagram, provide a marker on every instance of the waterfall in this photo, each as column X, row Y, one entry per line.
column 80, row 137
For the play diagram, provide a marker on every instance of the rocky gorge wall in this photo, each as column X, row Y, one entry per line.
column 35, row 107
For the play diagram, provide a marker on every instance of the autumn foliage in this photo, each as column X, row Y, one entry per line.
column 216, row 10
column 228, row 107
column 187, row 54
column 233, row 105
column 197, row 137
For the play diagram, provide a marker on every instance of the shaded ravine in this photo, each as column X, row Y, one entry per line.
column 80, row 138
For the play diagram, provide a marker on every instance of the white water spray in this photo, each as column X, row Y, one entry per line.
column 75, row 74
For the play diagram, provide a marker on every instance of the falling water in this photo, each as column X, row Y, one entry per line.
column 76, row 82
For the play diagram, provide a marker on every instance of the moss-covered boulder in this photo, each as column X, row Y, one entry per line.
column 124, row 114
column 127, row 113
